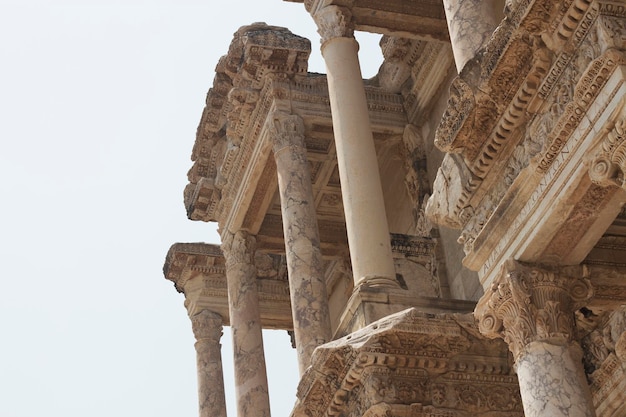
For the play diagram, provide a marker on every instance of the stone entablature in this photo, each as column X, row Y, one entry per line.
column 522, row 125
column 411, row 364
column 199, row 271
column 232, row 181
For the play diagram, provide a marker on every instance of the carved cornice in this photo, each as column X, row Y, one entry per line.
column 334, row 22
column 438, row 363
column 207, row 325
column 234, row 106
column 520, row 140
column 183, row 258
column 529, row 303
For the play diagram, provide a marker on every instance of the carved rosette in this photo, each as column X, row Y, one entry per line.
column 334, row 22
column 528, row 304
column 238, row 248
column 286, row 130
column 207, row 325
column 608, row 167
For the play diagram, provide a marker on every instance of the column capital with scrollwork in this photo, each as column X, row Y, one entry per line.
column 207, row 325
column 285, row 130
column 529, row 303
column 238, row 248
column 333, row 22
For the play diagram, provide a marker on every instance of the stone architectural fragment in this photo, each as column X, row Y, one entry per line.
column 382, row 209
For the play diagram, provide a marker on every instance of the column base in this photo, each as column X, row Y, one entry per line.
column 368, row 304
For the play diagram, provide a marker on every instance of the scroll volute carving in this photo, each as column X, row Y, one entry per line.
column 238, row 248
column 608, row 167
column 207, row 325
column 286, row 130
column 528, row 303
column 334, row 22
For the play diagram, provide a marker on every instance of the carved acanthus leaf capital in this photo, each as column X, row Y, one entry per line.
column 527, row 303
column 238, row 248
column 286, row 130
column 609, row 165
column 207, row 325
column 334, row 22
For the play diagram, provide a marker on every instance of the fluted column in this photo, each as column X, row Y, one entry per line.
column 309, row 301
column 366, row 220
column 249, row 359
column 471, row 23
column 532, row 309
column 207, row 328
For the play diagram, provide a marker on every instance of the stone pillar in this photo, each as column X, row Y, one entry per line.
column 532, row 309
column 307, row 287
column 249, row 359
column 366, row 220
column 207, row 328
column 471, row 23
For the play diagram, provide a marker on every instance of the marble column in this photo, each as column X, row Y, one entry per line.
column 207, row 328
column 366, row 220
column 532, row 309
column 471, row 23
column 251, row 388
column 307, row 287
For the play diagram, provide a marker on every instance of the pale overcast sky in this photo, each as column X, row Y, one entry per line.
column 99, row 104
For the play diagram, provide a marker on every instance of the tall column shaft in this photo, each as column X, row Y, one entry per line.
column 471, row 23
column 552, row 381
column 532, row 309
column 207, row 328
column 251, row 387
column 366, row 220
column 309, row 300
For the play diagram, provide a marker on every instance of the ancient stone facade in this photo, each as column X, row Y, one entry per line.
column 447, row 238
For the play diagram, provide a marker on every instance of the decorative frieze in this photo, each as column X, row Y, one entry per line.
column 410, row 362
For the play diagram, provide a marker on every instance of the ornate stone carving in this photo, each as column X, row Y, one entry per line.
column 334, row 22
column 529, row 303
column 286, row 130
column 411, row 364
column 207, row 325
column 238, row 248
column 609, row 165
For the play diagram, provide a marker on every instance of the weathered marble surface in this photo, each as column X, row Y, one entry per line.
column 250, row 374
column 471, row 23
column 366, row 219
column 207, row 328
column 309, row 300
column 552, row 381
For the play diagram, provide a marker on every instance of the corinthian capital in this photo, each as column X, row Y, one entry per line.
column 527, row 303
column 207, row 325
column 238, row 248
column 334, row 22
column 286, row 130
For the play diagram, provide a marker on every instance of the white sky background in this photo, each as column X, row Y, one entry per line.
column 99, row 104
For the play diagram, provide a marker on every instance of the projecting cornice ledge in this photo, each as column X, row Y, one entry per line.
column 257, row 52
